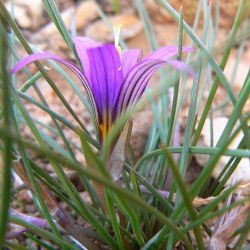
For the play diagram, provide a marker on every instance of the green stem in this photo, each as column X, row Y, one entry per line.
column 6, row 161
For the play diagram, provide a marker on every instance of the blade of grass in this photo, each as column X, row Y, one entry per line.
column 40, row 242
column 222, row 66
column 12, row 246
column 187, row 200
column 194, row 150
column 30, row 82
column 207, row 54
column 6, row 155
column 26, row 46
column 192, row 107
column 95, row 176
column 42, row 233
column 244, row 230
column 222, row 145
column 34, row 184
column 215, row 214
column 55, row 16
column 113, row 216
column 177, row 83
column 161, row 235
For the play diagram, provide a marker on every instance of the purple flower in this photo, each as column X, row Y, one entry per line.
column 113, row 79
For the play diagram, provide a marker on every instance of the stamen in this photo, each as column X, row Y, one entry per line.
column 117, row 31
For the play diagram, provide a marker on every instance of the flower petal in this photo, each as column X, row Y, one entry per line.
column 137, row 80
column 129, row 59
column 181, row 66
column 82, row 44
column 46, row 55
column 166, row 52
column 43, row 56
column 106, row 77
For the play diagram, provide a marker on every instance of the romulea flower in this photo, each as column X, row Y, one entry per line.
column 114, row 79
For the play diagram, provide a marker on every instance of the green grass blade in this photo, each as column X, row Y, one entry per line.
column 6, row 155
column 30, row 82
column 176, row 86
column 187, row 200
column 26, row 46
column 55, row 16
column 222, row 66
column 43, row 233
column 113, row 218
column 103, row 180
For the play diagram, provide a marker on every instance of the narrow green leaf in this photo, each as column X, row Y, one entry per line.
column 6, row 154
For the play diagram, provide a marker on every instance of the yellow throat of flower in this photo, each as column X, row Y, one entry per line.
column 106, row 125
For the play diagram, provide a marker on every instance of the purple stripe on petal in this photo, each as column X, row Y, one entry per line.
column 137, row 80
column 166, row 52
column 106, row 76
column 144, row 82
column 129, row 59
column 181, row 66
column 139, row 75
column 81, row 46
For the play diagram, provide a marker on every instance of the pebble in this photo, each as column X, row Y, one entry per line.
column 102, row 32
column 84, row 13
column 28, row 14
column 159, row 14
column 142, row 123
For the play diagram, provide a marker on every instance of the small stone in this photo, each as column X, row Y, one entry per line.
column 157, row 12
column 28, row 14
column 85, row 196
column 50, row 28
column 100, row 31
column 241, row 73
column 142, row 123
column 82, row 14
column 25, row 197
column 85, row 13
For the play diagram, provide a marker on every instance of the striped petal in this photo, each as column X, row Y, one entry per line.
column 129, row 59
column 45, row 56
column 145, row 79
column 82, row 44
column 136, row 81
column 139, row 76
column 106, row 79
column 181, row 66
column 164, row 53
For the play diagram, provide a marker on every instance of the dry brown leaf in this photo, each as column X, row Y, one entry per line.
column 117, row 158
column 230, row 223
